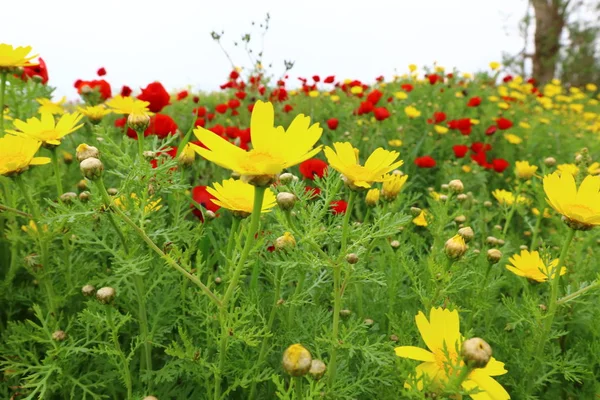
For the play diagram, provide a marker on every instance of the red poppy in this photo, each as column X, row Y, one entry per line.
column 332, row 123
column 481, row 159
column 312, row 192
column 126, row 91
column 156, row 95
column 478, row 147
column 221, row 108
column 364, row 108
column 474, row 101
column 491, row 130
column 434, row 78
column 200, row 122
column 40, row 71
column 338, row 207
column 463, row 125
column 316, row 78
column 329, row 79
column 374, row 96
column 313, row 168
column 100, row 85
column 172, row 153
column 500, row 164
column 205, row 199
column 182, row 95
column 121, row 122
column 381, row 113
column 504, row 123
column 101, row 71
column 233, row 75
column 196, row 99
column 407, row 87
column 287, row 108
column 425, row 162
column 240, row 95
column 200, row 111
column 233, row 103
column 460, row 150
column 507, row 78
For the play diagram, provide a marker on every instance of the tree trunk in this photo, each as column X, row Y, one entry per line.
column 549, row 24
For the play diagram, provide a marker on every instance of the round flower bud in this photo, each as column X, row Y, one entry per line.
column 466, row 233
column 68, row 197
column 455, row 247
column 352, row 258
column 317, row 369
column 67, row 157
column 91, row 168
column 84, row 151
column 286, row 200
column 106, row 294
column 287, row 178
column 82, row 185
column 550, row 161
column 209, row 215
column 476, row 352
column 460, row 219
column 138, row 122
column 443, row 197
column 345, row 313
column 285, row 242
column 88, row 290
column 395, row 244
column 456, row 186
column 394, row 338
column 462, row 197
column 150, row 398
column 415, row 211
column 500, row 242
column 491, row 240
column 445, row 187
column 487, row 204
column 372, row 197
column 494, row 255
column 149, row 155
column 523, row 247
column 112, row 191
column 218, row 280
column 369, row 322
column 59, row 336
column 296, row 360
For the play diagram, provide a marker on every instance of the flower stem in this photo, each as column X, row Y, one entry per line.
column 143, row 316
column 2, row 90
column 345, row 223
column 57, row 177
column 536, row 231
column 578, row 293
column 14, row 210
column 259, row 194
column 140, row 136
column 115, row 337
column 108, row 203
column 299, row 391
column 235, row 224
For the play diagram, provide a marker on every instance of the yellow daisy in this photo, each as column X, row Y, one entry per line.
column 508, row 198
column 443, row 361
column 94, row 113
column 512, row 139
column 11, row 57
column 17, row 154
column 46, row 129
column 580, row 206
column 236, row 195
column 128, row 105
column 530, row 265
column 47, row 106
column 273, row 148
column 421, row 219
column 524, row 170
column 392, row 184
column 345, row 160
column 570, row 169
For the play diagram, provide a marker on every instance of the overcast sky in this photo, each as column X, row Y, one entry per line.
column 142, row 41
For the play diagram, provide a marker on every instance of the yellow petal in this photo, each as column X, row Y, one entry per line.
column 414, row 353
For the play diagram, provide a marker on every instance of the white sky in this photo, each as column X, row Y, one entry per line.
column 142, row 41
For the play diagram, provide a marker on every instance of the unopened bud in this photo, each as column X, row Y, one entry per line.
column 106, row 295
column 91, row 168
column 317, row 369
column 138, row 122
column 88, row 290
column 445, row 187
column 67, row 157
column 372, row 197
column 112, row 191
column 59, row 336
column 150, row 398
column 218, row 280
column 352, row 258
column 462, row 197
column 523, row 247
column 68, row 197
column 286, row 200
column 285, row 242
column 460, row 219
column 456, row 186
column 287, row 178
column 394, row 338
column 491, row 240
column 494, row 255
column 476, row 352
column 82, row 185
column 550, row 161
column 149, row 154
column 455, row 247
column 443, row 197
column 85, row 151
column 209, row 215
column 296, row 360
column 466, row 233
column 345, row 313
column 487, row 204
column 395, row 244
column 415, row 211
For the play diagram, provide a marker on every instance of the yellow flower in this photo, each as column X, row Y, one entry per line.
column 580, row 206
column 392, row 185
column 507, row 198
column 459, row 95
column 443, row 362
column 356, row 90
column 590, row 87
column 524, row 125
column 274, row 148
column 412, row 67
column 439, row 68
column 395, row 142
column 503, row 105
column 594, row 169
column 570, row 169
column 545, row 121
column 187, row 155
column 33, row 228
column 401, row 95
column 523, row 170
column 313, row 93
column 372, row 197
column 94, row 113
column 345, row 160
column 236, row 195
column 421, row 219
column 494, row 65
column 128, row 105
column 512, row 139
column 474, row 121
column 11, row 57
column 466, row 168
column 46, row 129
column 335, row 98
column 47, row 106
column 440, row 129
column 17, row 154
column 467, row 75
column 531, row 266
column 536, row 212
column 6, row 116
column 412, row 112
column 151, row 205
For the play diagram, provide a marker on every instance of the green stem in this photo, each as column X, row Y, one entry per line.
column 337, row 306
column 299, row 391
column 140, row 136
column 259, row 193
column 14, row 210
column 108, row 203
column 235, row 224
column 57, row 176
column 536, row 231
column 513, row 208
column 297, row 291
column 345, row 223
column 143, row 316
column 115, row 337
column 2, row 90
column 578, row 293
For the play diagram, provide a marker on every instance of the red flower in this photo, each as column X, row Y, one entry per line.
column 478, row 147
column 507, row 79
column 200, row 111
column 460, row 150
column 504, row 123
column 287, row 108
column 240, row 95
column 312, row 192
column 425, row 162
column 233, row 75
column 312, row 168
column 39, row 71
column 196, row 99
column 172, row 152
column 233, row 103
column 481, row 159
column 329, row 79
column 364, row 108
column 332, row 123
column 491, row 130
column 100, row 85
column 338, row 207
column 101, row 71
column 126, row 91
column 205, row 199
column 316, row 78
column 221, row 108
column 121, row 122
column 463, row 125
column 182, row 95
column 160, row 125
column 374, row 96
column 156, row 94
column 407, row 87
column 474, row 101
column 434, row 78
column 500, row 164
column 200, row 122
column 439, row 117
column 381, row 113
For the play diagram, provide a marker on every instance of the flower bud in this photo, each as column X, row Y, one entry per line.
column 317, row 369
column 487, row 204
column 82, row 185
column 106, row 295
column 112, row 191
column 455, row 247
column 415, row 211
column 209, row 215
column 345, row 313
column 466, row 233
column 84, row 151
column 84, row 197
column 460, row 219
column 285, row 242
column 372, row 197
column 296, row 360
column 259, row 180
column 68, row 197
column 187, row 156
column 218, row 280
column 59, row 336
column 287, row 178
column 138, row 122
column 352, row 258
column 286, row 200
column 392, row 185
column 67, row 157
column 443, row 197
column 494, row 255
column 476, row 352
column 395, row 244
column 456, row 186
column 88, row 290
column 91, row 168
column 523, row 247
column 445, row 187
column 550, row 161
column 491, row 240
column 462, row 197
column 150, row 398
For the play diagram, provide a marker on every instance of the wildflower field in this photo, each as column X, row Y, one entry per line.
column 429, row 235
